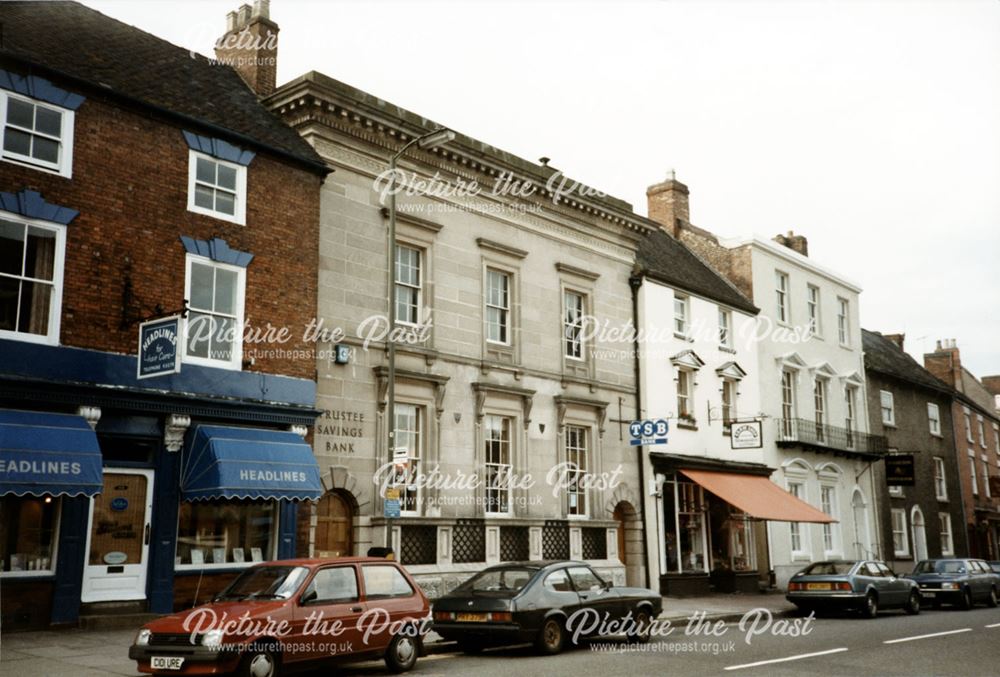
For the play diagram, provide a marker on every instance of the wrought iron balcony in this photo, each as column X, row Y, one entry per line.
column 802, row 431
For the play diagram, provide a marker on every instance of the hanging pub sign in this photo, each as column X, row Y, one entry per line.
column 745, row 435
column 159, row 347
column 899, row 470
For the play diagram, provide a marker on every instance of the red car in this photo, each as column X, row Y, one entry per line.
column 290, row 613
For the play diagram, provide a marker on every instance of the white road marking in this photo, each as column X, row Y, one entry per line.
column 933, row 634
column 784, row 660
column 993, row 625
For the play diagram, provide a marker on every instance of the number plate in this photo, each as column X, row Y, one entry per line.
column 471, row 618
column 927, row 594
column 818, row 586
column 166, row 662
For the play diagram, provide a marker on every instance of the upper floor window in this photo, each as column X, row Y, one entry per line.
column 215, row 293
column 982, row 431
column 409, row 284
column 684, row 394
column 787, row 402
column 968, row 425
column 972, row 473
column 888, row 408
column 31, row 276
column 812, row 304
column 37, row 134
column 217, row 188
column 996, row 441
column 986, row 476
column 781, row 296
column 497, row 306
column 725, row 328
column 681, row 315
column 573, row 310
column 729, row 394
column 849, row 414
column 934, row 418
column 940, row 486
column 843, row 322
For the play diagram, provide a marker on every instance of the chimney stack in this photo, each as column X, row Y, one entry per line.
column 667, row 203
column 794, row 242
column 946, row 363
column 250, row 46
column 992, row 384
column 896, row 338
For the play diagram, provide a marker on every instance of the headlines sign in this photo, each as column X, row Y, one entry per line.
column 159, row 347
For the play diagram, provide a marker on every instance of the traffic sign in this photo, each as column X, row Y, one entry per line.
column 648, row 431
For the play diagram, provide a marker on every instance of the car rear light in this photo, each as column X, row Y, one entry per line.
column 795, row 586
column 500, row 617
column 444, row 616
column 843, row 585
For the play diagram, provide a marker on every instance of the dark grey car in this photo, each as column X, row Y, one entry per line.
column 859, row 585
column 961, row 582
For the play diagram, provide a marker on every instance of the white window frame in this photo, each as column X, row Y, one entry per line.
column 419, row 287
column 982, row 430
column 789, row 407
column 682, row 315
column 506, row 424
column 572, row 338
column 67, row 123
column 889, row 405
column 581, row 456
column 946, row 535
column 685, row 377
column 814, row 311
column 796, row 486
column 415, row 456
column 55, row 306
column 934, row 419
column 968, row 425
column 235, row 361
column 821, row 404
column 901, row 515
column 505, row 311
column 986, row 476
column 972, row 472
column 730, row 392
column 850, row 414
column 940, row 480
column 240, row 215
column 725, row 328
column 843, row 321
column 996, row 441
column 781, row 285
column 830, row 504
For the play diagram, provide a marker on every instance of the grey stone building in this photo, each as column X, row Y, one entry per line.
column 498, row 262
column 912, row 408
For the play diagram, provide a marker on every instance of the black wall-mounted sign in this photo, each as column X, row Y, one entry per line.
column 900, row 471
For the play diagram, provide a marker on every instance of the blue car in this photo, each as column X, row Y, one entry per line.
column 852, row 585
column 961, row 582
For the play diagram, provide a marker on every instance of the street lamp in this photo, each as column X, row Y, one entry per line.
column 428, row 141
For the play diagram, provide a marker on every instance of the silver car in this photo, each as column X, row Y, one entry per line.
column 858, row 585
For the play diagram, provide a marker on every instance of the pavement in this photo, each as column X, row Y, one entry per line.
column 92, row 653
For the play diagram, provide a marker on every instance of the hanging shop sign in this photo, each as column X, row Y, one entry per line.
column 159, row 347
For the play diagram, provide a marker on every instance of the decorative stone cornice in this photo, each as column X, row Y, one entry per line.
column 438, row 382
column 429, row 226
column 567, row 269
column 527, row 396
column 500, row 248
column 90, row 414
column 600, row 407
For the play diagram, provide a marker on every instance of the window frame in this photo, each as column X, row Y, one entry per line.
column 973, row 473
column 844, row 321
column 62, row 168
column 57, row 503
column 982, row 430
column 239, row 216
column 796, row 486
column 831, row 531
column 575, row 327
column 685, row 377
column 508, row 423
column 506, row 311
column 891, row 420
column 58, row 276
column 365, row 566
column 781, row 290
column 968, row 424
column 789, row 406
column 814, row 311
column 901, row 514
column 419, row 287
column 329, row 601
column 574, row 454
column 944, row 520
column 934, row 421
column 940, row 479
column 725, row 328
column 235, row 362
column 272, row 541
column 420, row 414
column 682, row 303
column 986, row 476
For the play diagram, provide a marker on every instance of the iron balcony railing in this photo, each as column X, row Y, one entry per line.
column 804, row 431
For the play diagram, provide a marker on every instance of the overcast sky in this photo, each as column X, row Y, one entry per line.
column 873, row 128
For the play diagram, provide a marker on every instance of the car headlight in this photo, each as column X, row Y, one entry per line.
column 212, row 638
column 142, row 637
column 949, row 586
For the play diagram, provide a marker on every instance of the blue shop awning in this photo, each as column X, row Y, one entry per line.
column 224, row 462
column 48, row 454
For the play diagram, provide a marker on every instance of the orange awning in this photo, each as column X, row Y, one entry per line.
column 757, row 496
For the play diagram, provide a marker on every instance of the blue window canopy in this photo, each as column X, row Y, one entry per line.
column 252, row 463
column 45, row 454
column 218, row 148
column 217, row 249
column 39, row 88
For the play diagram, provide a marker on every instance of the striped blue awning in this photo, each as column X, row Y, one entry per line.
column 48, row 454
column 226, row 462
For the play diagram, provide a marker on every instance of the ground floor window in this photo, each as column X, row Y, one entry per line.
column 28, row 533
column 225, row 532
column 731, row 534
column 685, row 536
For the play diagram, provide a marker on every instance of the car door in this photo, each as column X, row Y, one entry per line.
column 594, row 593
column 391, row 604
column 898, row 589
column 556, row 592
column 326, row 616
column 872, row 577
column 980, row 580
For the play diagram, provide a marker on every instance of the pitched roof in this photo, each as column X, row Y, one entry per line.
column 663, row 258
column 885, row 357
column 77, row 42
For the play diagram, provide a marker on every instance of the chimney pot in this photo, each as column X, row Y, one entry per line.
column 244, row 17
column 262, row 9
column 231, row 21
column 256, row 58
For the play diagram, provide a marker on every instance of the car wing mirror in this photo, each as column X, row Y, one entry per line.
column 308, row 596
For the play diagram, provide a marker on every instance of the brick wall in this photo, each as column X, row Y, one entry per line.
column 130, row 176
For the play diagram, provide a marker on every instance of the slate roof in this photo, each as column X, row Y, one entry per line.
column 69, row 39
column 663, row 258
column 884, row 357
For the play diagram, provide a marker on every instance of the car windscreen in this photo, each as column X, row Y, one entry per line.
column 940, row 567
column 266, row 582
column 507, row 579
column 828, row 569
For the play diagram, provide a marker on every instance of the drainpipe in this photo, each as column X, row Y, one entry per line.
column 634, row 282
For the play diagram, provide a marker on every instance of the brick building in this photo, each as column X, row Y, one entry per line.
column 138, row 179
column 912, row 409
column 977, row 444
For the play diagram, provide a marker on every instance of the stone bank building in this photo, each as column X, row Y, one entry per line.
column 497, row 375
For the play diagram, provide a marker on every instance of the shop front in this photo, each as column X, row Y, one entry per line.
column 711, row 521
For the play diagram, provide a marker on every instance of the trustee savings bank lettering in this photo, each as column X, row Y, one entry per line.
column 346, row 427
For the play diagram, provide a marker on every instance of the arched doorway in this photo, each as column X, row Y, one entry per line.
column 862, row 532
column 334, row 526
column 630, row 543
column 919, row 534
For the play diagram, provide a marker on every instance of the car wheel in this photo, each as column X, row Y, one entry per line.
column 870, row 609
column 402, row 653
column 991, row 601
column 260, row 660
column 551, row 637
column 913, row 604
column 642, row 630
column 966, row 602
